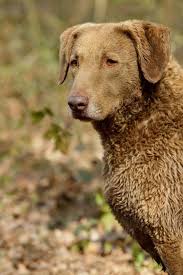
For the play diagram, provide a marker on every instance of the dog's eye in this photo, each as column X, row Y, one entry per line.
column 74, row 62
column 111, row 62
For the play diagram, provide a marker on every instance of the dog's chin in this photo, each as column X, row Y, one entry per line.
column 83, row 116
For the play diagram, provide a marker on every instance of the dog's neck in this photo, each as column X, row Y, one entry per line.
column 122, row 121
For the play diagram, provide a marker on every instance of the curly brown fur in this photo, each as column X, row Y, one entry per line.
column 136, row 105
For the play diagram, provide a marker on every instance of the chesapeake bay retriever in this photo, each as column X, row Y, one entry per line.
column 126, row 83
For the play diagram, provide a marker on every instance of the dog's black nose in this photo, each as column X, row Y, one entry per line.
column 78, row 103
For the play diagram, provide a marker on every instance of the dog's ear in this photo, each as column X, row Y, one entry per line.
column 67, row 39
column 152, row 43
column 66, row 43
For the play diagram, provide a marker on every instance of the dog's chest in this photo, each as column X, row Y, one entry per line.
column 132, row 198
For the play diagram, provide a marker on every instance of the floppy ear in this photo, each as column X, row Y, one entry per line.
column 152, row 42
column 67, row 39
column 66, row 44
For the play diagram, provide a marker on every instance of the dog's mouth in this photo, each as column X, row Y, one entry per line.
column 81, row 116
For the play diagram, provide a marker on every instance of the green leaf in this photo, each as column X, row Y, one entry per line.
column 138, row 255
column 38, row 116
column 108, row 221
column 60, row 137
column 99, row 199
column 107, row 248
column 48, row 111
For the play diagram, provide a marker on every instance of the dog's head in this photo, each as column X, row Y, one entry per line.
column 106, row 61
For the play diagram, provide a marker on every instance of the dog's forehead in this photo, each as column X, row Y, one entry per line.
column 99, row 37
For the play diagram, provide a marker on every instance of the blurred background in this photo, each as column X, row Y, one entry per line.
column 53, row 217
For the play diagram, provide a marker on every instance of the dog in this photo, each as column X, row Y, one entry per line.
column 128, row 84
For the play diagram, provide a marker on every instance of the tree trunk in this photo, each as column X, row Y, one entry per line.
column 100, row 10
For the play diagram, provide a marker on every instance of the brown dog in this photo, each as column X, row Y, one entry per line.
column 128, row 85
